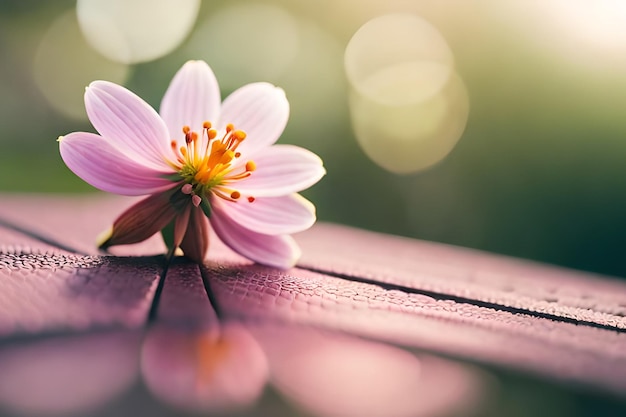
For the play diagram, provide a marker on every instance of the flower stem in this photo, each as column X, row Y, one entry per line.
column 170, row 254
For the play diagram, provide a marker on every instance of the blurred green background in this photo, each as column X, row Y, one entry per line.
column 538, row 171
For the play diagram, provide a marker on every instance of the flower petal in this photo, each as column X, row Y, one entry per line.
column 97, row 162
column 279, row 251
column 259, row 109
column 129, row 123
column 192, row 98
column 270, row 215
column 141, row 221
column 195, row 244
column 280, row 170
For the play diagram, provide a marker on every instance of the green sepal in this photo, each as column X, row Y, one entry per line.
column 172, row 177
column 168, row 235
column 179, row 200
column 206, row 207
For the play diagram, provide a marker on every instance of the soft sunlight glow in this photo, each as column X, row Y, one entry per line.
column 253, row 42
column 64, row 64
column 408, row 107
column 132, row 31
column 601, row 23
column 590, row 32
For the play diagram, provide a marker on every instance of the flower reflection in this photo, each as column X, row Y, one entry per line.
column 331, row 374
column 209, row 370
column 321, row 373
column 225, row 368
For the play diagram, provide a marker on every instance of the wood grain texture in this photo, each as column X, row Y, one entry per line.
column 48, row 292
column 466, row 274
column 561, row 324
column 555, row 349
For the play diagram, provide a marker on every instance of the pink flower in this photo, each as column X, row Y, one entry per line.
column 202, row 164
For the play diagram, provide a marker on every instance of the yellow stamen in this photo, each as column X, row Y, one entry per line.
column 227, row 157
column 208, row 166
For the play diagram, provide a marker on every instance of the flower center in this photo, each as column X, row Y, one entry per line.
column 208, row 164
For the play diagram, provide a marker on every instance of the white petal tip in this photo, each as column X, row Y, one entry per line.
column 195, row 62
column 104, row 236
column 97, row 83
column 294, row 260
column 60, row 138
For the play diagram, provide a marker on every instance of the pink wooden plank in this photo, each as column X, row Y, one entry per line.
column 449, row 300
column 465, row 273
column 51, row 291
column 184, row 301
column 222, row 366
column 74, row 221
column 414, row 264
column 14, row 241
column 555, row 349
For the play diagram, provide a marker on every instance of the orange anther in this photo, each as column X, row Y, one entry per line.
column 240, row 134
column 186, row 129
column 235, row 195
column 230, row 127
column 250, row 166
column 206, row 125
column 212, row 133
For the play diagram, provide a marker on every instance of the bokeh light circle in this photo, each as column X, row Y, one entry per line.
column 408, row 106
column 132, row 31
column 410, row 135
column 390, row 40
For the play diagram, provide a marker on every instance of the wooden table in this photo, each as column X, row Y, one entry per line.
column 366, row 325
